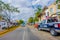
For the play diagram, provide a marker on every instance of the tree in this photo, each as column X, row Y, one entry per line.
column 4, row 7
column 21, row 21
column 36, row 19
column 57, row 1
column 38, row 14
column 30, row 20
column 39, row 10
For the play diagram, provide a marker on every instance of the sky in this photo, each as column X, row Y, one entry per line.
column 27, row 7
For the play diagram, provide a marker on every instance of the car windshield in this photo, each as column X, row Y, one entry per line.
column 52, row 20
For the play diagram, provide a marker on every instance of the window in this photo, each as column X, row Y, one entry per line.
column 49, row 20
column 44, row 21
column 51, row 10
column 52, row 20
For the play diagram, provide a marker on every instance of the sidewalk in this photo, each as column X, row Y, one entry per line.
column 32, row 27
column 41, row 34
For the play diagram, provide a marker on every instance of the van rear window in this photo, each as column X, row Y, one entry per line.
column 52, row 20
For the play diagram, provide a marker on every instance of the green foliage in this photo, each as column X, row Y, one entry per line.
column 6, row 6
column 57, row 1
column 39, row 10
column 37, row 14
column 21, row 21
column 58, row 6
column 36, row 19
column 30, row 20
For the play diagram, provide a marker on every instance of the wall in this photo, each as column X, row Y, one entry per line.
column 52, row 9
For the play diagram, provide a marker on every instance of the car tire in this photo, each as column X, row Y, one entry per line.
column 53, row 32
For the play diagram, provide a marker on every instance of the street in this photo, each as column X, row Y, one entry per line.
column 26, row 33
column 20, row 34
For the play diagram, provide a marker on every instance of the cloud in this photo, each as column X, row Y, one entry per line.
column 35, row 2
column 26, row 7
column 27, row 12
column 40, row 3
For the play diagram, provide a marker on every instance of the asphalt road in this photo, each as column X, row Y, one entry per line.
column 24, row 33
column 28, row 33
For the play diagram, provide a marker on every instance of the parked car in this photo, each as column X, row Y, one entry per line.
column 51, row 25
column 10, row 25
column 3, row 24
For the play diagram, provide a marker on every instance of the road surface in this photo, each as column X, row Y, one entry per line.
column 26, row 33
column 20, row 34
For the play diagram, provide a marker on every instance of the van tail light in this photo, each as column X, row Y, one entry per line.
column 58, row 25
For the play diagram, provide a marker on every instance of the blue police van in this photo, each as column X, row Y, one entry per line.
column 51, row 25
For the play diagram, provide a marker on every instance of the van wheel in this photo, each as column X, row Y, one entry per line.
column 53, row 32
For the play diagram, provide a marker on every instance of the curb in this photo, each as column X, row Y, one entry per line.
column 6, row 31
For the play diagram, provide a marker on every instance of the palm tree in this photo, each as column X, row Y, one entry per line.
column 30, row 20
column 39, row 10
column 38, row 14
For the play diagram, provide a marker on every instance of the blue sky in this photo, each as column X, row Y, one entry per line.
column 27, row 7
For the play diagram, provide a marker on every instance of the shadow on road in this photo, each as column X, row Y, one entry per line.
column 58, row 34
column 49, row 32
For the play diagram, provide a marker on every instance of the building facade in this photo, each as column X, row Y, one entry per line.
column 58, row 9
column 49, row 11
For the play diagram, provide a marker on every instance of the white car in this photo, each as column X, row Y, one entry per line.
column 3, row 24
column 10, row 25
